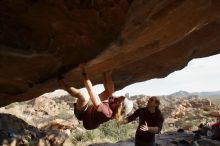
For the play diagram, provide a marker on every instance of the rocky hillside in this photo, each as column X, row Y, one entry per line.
column 199, row 94
column 50, row 120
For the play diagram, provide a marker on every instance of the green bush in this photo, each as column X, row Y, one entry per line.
column 64, row 115
column 111, row 131
column 107, row 131
column 79, row 137
column 92, row 134
column 89, row 135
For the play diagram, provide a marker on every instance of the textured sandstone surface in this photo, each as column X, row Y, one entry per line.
column 138, row 40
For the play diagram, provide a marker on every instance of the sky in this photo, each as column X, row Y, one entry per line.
column 202, row 74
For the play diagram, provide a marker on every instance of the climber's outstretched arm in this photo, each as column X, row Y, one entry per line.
column 108, row 85
column 88, row 84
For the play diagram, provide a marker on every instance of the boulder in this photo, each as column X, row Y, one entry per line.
column 137, row 39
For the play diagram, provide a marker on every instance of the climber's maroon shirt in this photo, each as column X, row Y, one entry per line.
column 94, row 116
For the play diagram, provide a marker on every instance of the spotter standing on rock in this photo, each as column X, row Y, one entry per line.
column 150, row 122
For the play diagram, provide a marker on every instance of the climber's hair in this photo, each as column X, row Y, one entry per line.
column 117, row 111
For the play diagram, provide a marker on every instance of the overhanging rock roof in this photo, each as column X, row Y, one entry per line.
column 138, row 40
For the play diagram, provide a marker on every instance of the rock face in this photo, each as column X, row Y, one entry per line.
column 138, row 40
column 15, row 131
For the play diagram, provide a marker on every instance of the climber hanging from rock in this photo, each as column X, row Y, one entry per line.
column 104, row 106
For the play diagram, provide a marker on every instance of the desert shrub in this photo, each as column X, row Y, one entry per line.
column 89, row 135
column 93, row 134
column 64, row 115
column 110, row 130
column 77, row 137
column 106, row 131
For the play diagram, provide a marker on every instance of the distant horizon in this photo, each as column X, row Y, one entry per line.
column 61, row 91
column 119, row 93
column 184, row 91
